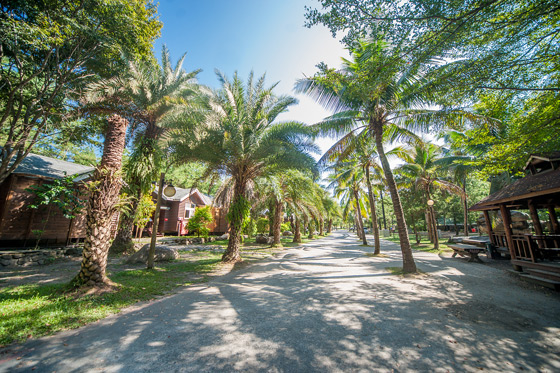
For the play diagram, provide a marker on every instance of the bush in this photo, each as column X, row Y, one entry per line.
column 201, row 218
column 285, row 227
column 249, row 227
column 262, row 225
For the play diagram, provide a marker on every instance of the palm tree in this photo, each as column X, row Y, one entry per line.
column 151, row 96
column 102, row 201
column 240, row 139
column 347, row 182
column 377, row 92
column 423, row 172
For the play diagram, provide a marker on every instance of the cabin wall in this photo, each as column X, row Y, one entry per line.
column 18, row 221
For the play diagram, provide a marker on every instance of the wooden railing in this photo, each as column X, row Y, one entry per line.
column 530, row 247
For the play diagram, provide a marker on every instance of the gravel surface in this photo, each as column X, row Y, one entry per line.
column 327, row 308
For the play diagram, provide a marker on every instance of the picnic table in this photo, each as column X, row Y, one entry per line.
column 467, row 250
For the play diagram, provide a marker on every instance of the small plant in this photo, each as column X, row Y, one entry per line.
column 249, row 227
column 285, row 227
column 61, row 193
column 201, row 218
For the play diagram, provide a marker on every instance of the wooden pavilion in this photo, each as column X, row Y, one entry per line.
column 537, row 255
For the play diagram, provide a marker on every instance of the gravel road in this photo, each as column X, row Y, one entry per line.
column 325, row 307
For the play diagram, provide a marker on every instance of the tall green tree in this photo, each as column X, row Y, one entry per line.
column 156, row 97
column 47, row 56
column 240, row 140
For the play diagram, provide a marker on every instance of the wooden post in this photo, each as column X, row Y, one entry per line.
column 536, row 222
column 506, row 218
column 553, row 219
column 489, row 226
column 70, row 229
column 152, row 251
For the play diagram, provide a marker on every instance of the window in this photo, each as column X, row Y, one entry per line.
column 187, row 214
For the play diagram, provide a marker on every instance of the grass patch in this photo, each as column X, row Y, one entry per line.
column 36, row 310
column 425, row 244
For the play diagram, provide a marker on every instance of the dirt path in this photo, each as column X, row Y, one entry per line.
column 327, row 308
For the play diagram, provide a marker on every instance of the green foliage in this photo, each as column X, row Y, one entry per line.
column 61, row 193
column 145, row 210
column 239, row 211
column 193, row 174
column 48, row 55
column 249, row 227
column 199, row 221
column 263, row 225
column 285, row 227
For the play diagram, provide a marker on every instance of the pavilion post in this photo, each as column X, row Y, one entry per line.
column 506, row 218
column 489, row 226
column 553, row 219
column 536, row 222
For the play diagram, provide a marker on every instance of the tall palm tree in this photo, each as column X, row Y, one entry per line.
column 239, row 139
column 150, row 95
column 377, row 92
column 422, row 169
column 102, row 201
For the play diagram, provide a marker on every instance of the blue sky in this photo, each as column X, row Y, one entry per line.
column 266, row 36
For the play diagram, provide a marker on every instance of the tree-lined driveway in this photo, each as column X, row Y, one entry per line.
column 323, row 307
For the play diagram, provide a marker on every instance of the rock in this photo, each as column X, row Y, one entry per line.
column 162, row 254
column 73, row 251
column 197, row 240
column 6, row 262
column 223, row 237
column 264, row 239
column 287, row 233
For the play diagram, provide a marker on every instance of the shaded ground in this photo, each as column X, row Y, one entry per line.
column 64, row 269
column 326, row 307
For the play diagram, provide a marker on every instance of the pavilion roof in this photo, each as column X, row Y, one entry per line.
column 544, row 187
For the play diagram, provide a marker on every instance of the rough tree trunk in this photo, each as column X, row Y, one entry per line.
column 371, row 196
column 311, row 227
column 278, row 215
column 297, row 231
column 329, row 226
column 359, row 217
column 466, row 215
column 321, row 229
column 232, row 254
column 408, row 260
column 104, row 195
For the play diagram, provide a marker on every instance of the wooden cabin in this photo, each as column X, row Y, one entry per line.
column 19, row 224
column 177, row 210
column 536, row 254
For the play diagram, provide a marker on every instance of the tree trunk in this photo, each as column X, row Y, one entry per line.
column 278, row 215
column 371, row 196
column 360, row 221
column 329, row 226
column 408, row 260
column 152, row 250
column 321, row 229
column 123, row 239
column 383, row 209
column 271, row 215
column 101, row 206
column 297, row 231
column 311, row 227
column 435, row 230
column 232, row 254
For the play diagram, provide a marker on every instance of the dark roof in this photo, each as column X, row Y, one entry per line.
column 39, row 165
column 537, row 158
column 531, row 186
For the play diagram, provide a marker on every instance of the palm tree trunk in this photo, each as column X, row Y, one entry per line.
column 329, row 226
column 311, row 227
column 123, row 240
column 321, row 229
column 297, row 231
column 408, row 260
column 371, row 197
column 278, row 215
column 101, row 206
column 232, row 254
column 359, row 213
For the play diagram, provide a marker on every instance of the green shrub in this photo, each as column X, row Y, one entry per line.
column 285, row 227
column 262, row 225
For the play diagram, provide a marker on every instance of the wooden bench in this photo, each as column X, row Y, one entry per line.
column 467, row 250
